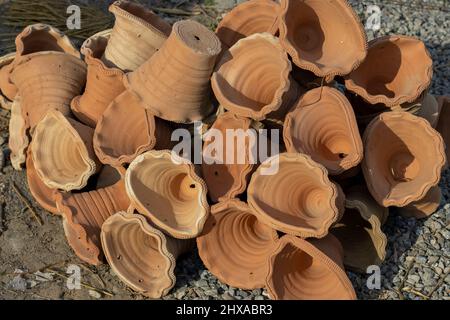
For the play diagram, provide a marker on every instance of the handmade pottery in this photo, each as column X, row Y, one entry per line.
column 325, row 37
column 324, row 126
column 400, row 164
column 137, row 34
column 83, row 217
column 443, row 124
column 235, row 246
column 398, row 69
column 5, row 84
column 18, row 137
column 62, row 152
column 109, row 176
column 247, row 18
column 293, row 194
column 175, row 83
column 429, row 110
column 166, row 189
column 424, row 207
column 308, row 270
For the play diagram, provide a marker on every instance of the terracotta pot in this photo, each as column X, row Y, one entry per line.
column 324, row 126
column 228, row 179
column 140, row 255
column 308, row 270
column 359, row 231
column 170, row 87
column 400, row 164
column 103, row 84
column 425, row 207
column 325, row 37
column 83, row 217
column 429, row 110
column 235, row 247
column 297, row 199
column 166, row 189
column 398, row 69
column 444, row 120
column 6, row 87
column 109, row 176
column 137, row 34
column 18, row 137
column 263, row 68
column 62, row 152
column 248, row 18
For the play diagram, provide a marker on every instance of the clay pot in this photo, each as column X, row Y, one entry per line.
column 401, row 164
column 174, row 83
column 109, row 176
column 359, row 231
column 297, row 199
column 166, row 189
column 308, row 270
column 263, row 68
column 18, row 137
column 6, row 87
column 324, row 37
column 425, row 207
column 444, row 120
column 140, row 255
column 235, row 247
column 247, row 18
column 103, row 84
column 227, row 179
column 324, row 126
column 429, row 110
column 398, row 69
column 83, row 217
column 62, row 152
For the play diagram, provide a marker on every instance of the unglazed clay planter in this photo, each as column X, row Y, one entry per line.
column 137, row 34
column 62, row 152
column 398, row 69
column 166, row 189
column 140, row 255
column 401, row 164
column 308, row 270
column 109, row 176
column 175, row 83
column 253, row 76
column 425, row 207
column 359, row 231
column 293, row 194
column 83, row 217
column 5, row 84
column 250, row 17
column 235, row 246
column 103, row 84
column 18, row 137
column 325, row 37
column 443, row 123
column 228, row 178
column 429, row 110
column 324, row 126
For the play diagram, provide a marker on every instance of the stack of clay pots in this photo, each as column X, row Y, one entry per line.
column 94, row 131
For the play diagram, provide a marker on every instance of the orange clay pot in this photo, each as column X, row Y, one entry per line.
column 444, row 120
column 175, row 83
column 324, row 126
column 5, row 85
column 325, row 37
column 18, row 137
column 400, row 164
column 235, row 247
column 308, row 270
column 398, row 69
column 137, row 34
column 247, row 18
column 298, row 199
column 425, row 207
column 140, row 255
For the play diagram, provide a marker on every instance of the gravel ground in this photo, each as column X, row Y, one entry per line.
column 417, row 264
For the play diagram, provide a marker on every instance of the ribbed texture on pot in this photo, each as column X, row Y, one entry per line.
column 83, row 217
column 308, row 270
column 425, row 207
column 175, row 83
column 140, row 255
column 324, row 126
column 235, row 247
column 324, row 37
column 166, row 189
column 8, row 90
column 18, row 137
column 296, row 197
column 404, row 158
column 443, row 124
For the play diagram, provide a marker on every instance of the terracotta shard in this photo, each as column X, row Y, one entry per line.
column 166, row 189
column 443, row 124
column 425, row 207
column 325, row 37
column 62, row 152
column 308, row 270
column 83, row 217
column 429, row 110
column 175, row 83
column 293, row 194
column 18, row 137
column 398, row 69
column 235, row 246
column 7, row 89
column 324, row 126
column 400, row 164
